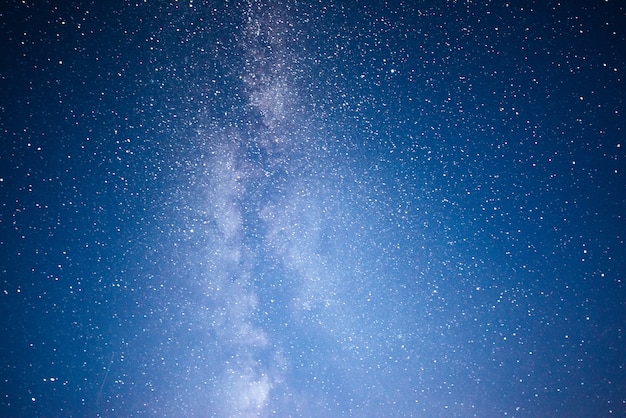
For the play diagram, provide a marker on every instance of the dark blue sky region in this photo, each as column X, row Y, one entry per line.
column 307, row 208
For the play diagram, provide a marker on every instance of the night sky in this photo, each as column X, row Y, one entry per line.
column 312, row 208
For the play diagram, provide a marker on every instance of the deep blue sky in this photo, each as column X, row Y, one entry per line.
column 290, row 208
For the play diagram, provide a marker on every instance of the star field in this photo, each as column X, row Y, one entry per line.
column 308, row 208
